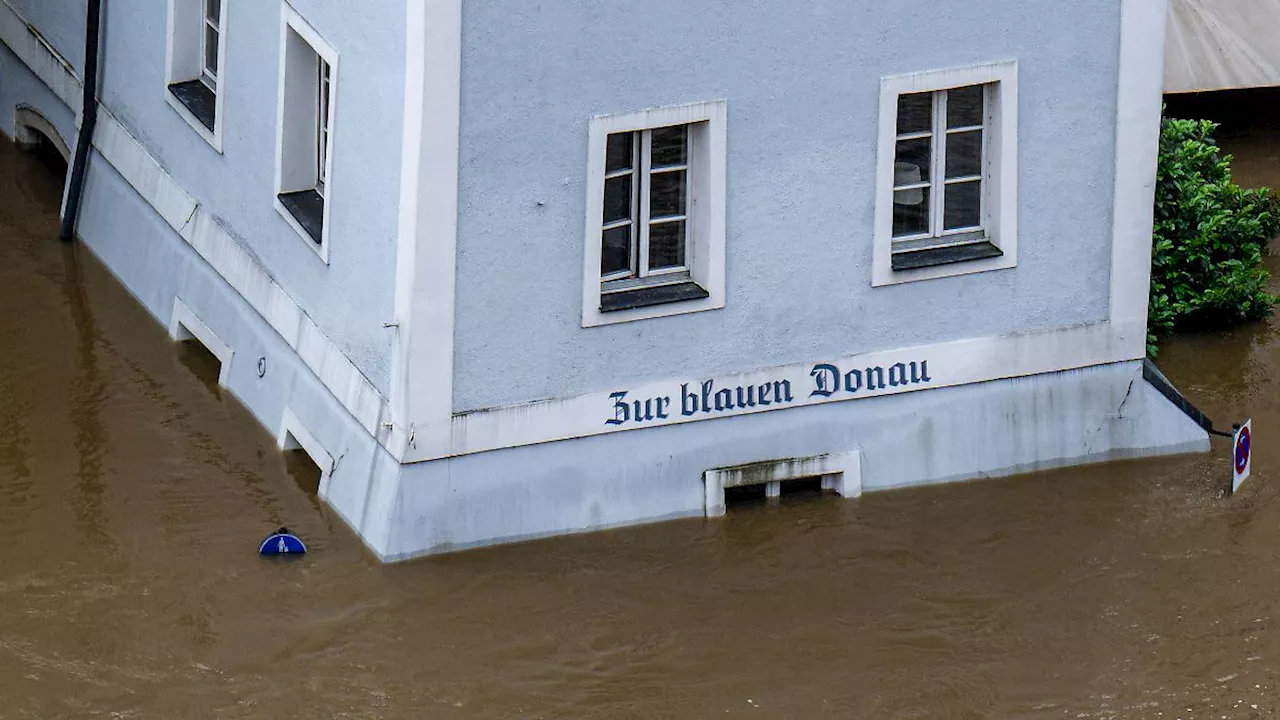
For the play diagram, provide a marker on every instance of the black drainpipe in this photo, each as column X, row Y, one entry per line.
column 89, row 120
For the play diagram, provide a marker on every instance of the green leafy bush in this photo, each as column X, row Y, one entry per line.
column 1210, row 234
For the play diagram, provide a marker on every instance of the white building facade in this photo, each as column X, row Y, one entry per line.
column 509, row 270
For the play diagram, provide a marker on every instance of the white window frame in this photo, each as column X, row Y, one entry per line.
column 937, row 235
column 210, row 77
column 705, row 207
column 1000, row 168
column 184, row 61
column 639, row 274
column 290, row 20
column 324, row 87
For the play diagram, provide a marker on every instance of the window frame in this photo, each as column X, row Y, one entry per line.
column 705, row 169
column 185, row 63
column 324, row 87
column 938, row 135
column 639, row 272
column 211, row 76
column 323, row 129
column 993, row 246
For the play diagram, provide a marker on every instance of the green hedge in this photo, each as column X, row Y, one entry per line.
column 1210, row 235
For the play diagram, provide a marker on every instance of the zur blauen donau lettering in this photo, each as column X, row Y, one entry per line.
column 825, row 381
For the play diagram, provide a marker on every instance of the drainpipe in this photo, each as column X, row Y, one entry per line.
column 88, row 121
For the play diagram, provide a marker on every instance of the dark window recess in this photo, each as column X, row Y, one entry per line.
column 744, row 495
column 929, row 257
column 202, row 363
column 806, row 487
column 646, row 296
column 198, row 98
column 303, row 470
column 307, row 207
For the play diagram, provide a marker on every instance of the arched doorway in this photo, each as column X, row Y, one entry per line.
column 34, row 133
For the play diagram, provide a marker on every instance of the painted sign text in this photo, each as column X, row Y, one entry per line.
column 708, row 398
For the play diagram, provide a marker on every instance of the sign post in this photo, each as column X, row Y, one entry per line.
column 1241, row 454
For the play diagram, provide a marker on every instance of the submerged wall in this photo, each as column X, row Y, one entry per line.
column 981, row 430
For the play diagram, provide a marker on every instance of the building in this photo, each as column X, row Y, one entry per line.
column 509, row 269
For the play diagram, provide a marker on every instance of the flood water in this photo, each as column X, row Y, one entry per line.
column 133, row 496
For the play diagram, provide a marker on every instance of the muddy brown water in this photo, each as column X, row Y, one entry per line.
column 133, row 495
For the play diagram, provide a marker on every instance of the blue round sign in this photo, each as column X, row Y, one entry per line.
column 282, row 542
column 1242, row 450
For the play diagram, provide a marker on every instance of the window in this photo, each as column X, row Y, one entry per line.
column 938, row 172
column 655, row 214
column 209, row 43
column 305, row 141
column 322, row 125
column 645, row 232
column 948, row 176
column 196, row 56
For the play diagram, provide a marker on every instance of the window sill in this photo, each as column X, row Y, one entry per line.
column 306, row 207
column 199, row 100
column 948, row 255
column 649, row 296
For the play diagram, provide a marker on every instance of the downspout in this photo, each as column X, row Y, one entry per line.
column 1152, row 374
column 89, row 120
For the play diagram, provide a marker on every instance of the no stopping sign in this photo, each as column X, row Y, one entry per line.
column 1241, row 454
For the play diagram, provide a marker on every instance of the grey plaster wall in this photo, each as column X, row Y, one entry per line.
column 61, row 22
column 351, row 297
column 802, row 85
column 18, row 86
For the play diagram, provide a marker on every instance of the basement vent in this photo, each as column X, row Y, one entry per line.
column 199, row 348
column 202, row 363
column 757, row 482
column 801, row 488
column 301, row 467
column 306, row 460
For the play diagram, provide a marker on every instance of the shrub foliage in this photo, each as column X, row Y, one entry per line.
column 1210, row 235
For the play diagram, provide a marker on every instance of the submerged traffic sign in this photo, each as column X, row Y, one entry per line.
column 282, row 542
column 1241, row 454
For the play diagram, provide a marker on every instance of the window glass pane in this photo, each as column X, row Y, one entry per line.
column 211, row 50
column 911, row 212
column 964, row 154
column 964, row 107
column 913, row 162
column 213, row 10
column 667, row 191
column 666, row 245
column 618, row 154
column 615, row 250
column 617, row 199
column 963, row 206
column 915, row 113
column 669, row 146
